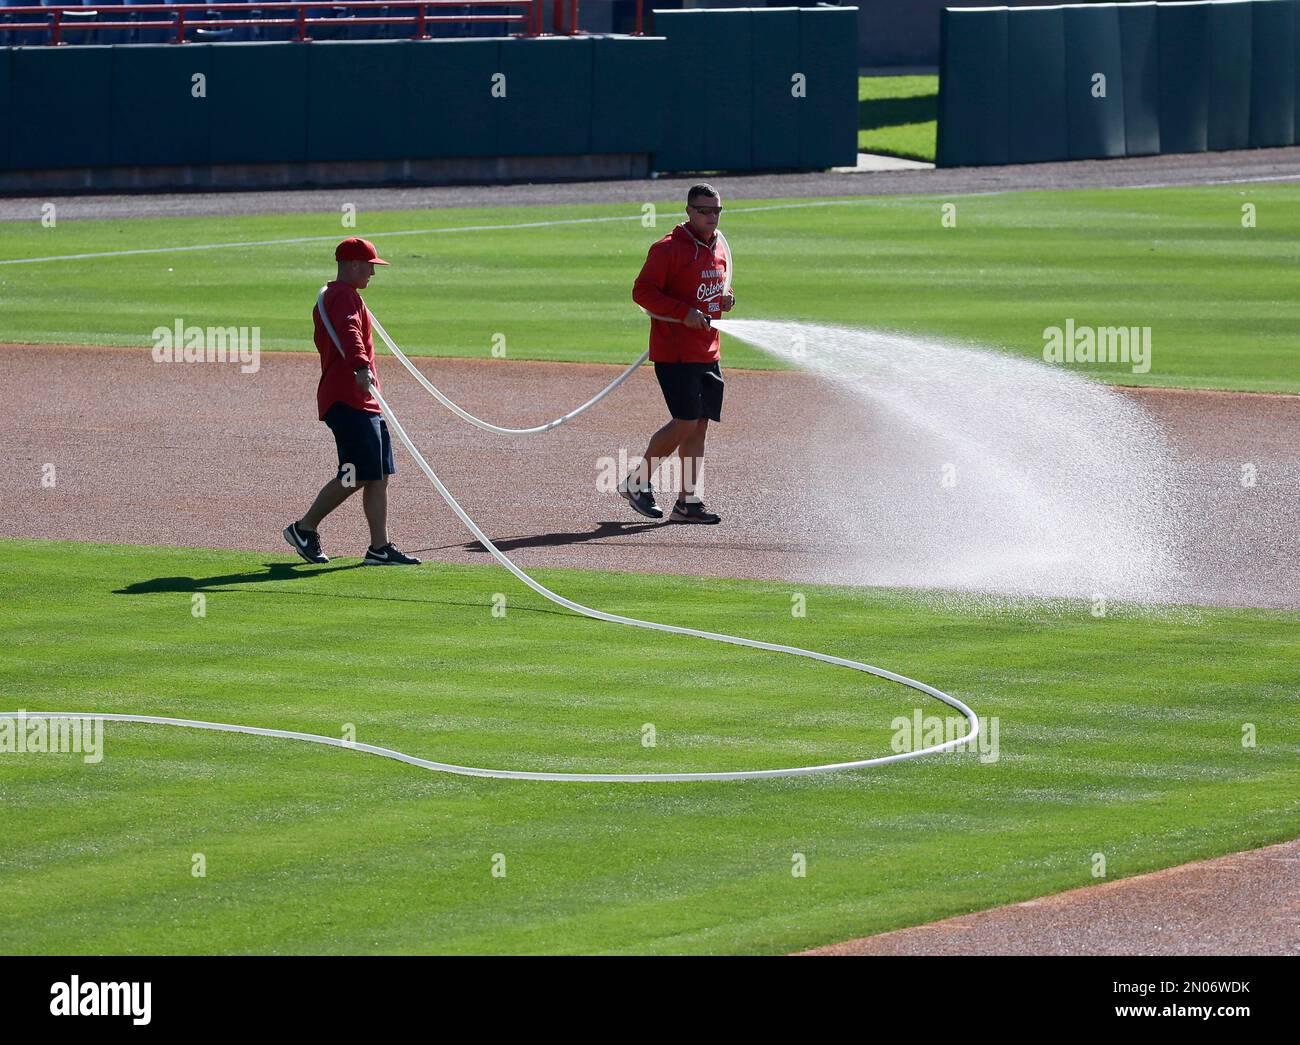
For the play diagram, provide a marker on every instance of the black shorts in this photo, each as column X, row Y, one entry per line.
column 363, row 442
column 691, row 390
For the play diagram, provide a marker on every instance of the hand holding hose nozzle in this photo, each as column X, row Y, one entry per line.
column 697, row 320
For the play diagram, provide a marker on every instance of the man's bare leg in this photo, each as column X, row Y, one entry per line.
column 331, row 495
column 374, row 499
column 662, row 445
column 692, row 455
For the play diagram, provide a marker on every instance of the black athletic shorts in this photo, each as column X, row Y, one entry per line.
column 362, row 440
column 691, row 390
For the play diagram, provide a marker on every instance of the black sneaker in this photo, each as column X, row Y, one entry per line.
column 305, row 542
column 694, row 512
column 642, row 501
column 388, row 555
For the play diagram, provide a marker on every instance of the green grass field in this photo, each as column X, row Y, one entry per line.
column 1120, row 735
column 1219, row 297
column 898, row 115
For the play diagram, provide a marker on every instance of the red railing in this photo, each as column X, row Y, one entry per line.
column 530, row 18
column 52, row 18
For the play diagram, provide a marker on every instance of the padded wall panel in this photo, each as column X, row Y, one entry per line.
column 973, row 88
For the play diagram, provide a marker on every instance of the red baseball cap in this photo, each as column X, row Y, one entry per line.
column 354, row 249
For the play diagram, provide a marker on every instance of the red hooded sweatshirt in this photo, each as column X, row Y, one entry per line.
column 351, row 321
column 681, row 272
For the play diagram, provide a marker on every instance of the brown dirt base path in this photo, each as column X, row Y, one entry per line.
column 201, row 456
column 1244, row 903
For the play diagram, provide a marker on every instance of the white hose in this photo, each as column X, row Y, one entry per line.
column 586, row 611
column 569, row 604
column 613, row 618
column 487, row 426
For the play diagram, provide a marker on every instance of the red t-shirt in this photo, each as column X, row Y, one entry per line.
column 351, row 321
column 681, row 272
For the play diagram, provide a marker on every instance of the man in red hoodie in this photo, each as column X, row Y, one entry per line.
column 684, row 284
column 344, row 403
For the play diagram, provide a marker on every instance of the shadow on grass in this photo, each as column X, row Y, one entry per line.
column 275, row 571
column 282, row 571
column 877, row 113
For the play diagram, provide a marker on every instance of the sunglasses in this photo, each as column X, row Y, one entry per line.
column 706, row 210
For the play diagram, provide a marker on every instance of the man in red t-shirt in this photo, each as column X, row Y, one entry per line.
column 344, row 403
column 684, row 284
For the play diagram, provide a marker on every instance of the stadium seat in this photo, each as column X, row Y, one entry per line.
column 457, row 30
column 483, row 29
column 242, row 33
column 69, row 32
column 272, row 32
column 396, row 32
column 204, row 34
column 212, row 35
column 5, row 18
column 343, row 31
column 320, row 33
column 109, row 11
column 143, row 35
column 30, row 37
column 147, row 32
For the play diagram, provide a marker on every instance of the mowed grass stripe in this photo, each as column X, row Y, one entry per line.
column 1217, row 295
column 1120, row 735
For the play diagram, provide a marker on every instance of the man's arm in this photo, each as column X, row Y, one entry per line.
column 648, row 289
column 347, row 324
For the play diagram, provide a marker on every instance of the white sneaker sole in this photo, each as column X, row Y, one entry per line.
column 302, row 552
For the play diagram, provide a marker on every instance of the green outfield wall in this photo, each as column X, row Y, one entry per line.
column 1091, row 81
column 716, row 90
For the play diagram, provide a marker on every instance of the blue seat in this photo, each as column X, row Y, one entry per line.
column 144, row 35
column 289, row 31
column 342, row 31
column 69, row 31
column 453, row 30
column 29, row 37
column 5, row 19
column 109, row 11
column 364, row 33
column 329, row 32
column 206, row 34
column 479, row 29
column 243, row 32
column 405, row 32
column 266, row 32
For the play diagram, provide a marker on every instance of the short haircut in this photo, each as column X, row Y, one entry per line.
column 702, row 189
